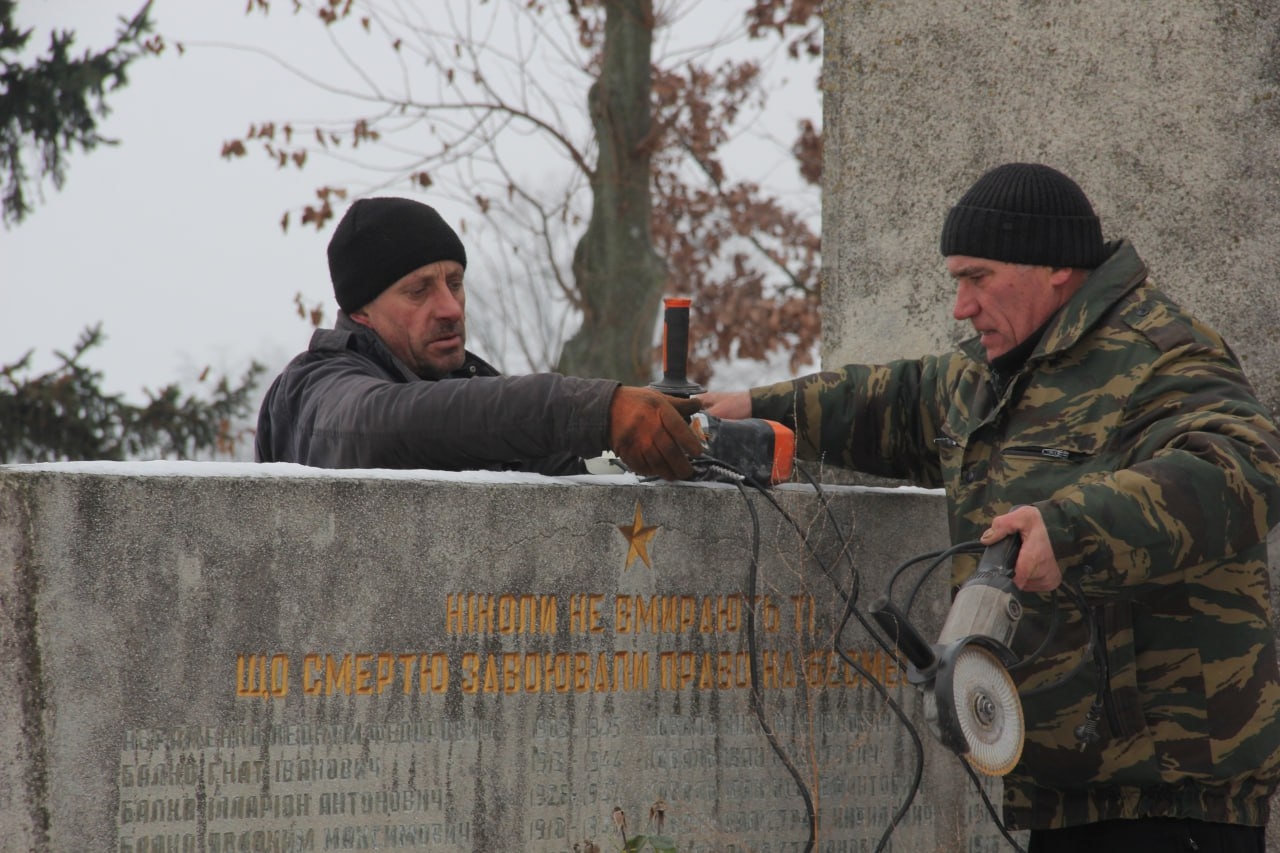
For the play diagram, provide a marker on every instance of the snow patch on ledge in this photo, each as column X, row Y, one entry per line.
column 289, row 470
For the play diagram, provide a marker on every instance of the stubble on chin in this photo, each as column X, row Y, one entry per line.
column 440, row 368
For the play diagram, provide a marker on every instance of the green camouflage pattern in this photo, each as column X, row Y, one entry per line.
column 1134, row 430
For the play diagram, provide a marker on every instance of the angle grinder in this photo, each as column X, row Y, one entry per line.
column 970, row 701
column 755, row 449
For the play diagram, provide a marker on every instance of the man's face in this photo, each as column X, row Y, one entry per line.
column 1005, row 303
column 421, row 319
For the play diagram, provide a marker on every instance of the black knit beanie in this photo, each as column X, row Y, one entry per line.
column 381, row 240
column 1025, row 213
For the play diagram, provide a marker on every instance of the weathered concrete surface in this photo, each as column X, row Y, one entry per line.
column 204, row 658
column 1167, row 114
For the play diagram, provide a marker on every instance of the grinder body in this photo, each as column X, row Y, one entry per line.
column 986, row 608
column 759, row 449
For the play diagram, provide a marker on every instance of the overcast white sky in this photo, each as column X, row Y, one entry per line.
column 177, row 252
column 173, row 249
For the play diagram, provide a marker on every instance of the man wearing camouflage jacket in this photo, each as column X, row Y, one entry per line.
column 1120, row 438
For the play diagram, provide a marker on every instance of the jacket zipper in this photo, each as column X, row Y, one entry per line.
column 1046, row 453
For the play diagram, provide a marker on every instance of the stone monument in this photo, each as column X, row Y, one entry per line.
column 214, row 658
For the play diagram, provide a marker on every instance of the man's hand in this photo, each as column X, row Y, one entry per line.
column 649, row 432
column 730, row 405
column 1037, row 569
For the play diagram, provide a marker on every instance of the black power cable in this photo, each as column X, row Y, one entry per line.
column 716, row 469
column 738, row 478
column 938, row 557
column 753, row 663
column 720, row 469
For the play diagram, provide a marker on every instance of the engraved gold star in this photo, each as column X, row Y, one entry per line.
column 638, row 538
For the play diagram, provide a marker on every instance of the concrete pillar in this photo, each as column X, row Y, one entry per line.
column 1166, row 113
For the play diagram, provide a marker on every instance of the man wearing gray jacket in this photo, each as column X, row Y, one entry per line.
column 393, row 386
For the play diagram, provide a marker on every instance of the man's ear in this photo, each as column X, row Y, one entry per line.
column 1066, row 276
column 361, row 317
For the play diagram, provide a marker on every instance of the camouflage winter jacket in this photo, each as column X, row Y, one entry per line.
column 1157, row 472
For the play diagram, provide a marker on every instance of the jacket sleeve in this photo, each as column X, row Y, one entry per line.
column 877, row 419
column 1200, row 479
column 347, row 418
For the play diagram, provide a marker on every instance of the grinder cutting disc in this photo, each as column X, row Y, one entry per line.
column 985, row 706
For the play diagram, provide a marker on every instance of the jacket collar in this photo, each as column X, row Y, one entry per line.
column 1119, row 274
column 347, row 334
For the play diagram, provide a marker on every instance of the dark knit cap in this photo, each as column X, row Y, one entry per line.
column 381, row 240
column 1025, row 213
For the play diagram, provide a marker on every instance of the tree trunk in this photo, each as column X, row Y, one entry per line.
column 617, row 272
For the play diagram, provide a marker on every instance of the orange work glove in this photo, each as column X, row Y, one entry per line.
column 649, row 433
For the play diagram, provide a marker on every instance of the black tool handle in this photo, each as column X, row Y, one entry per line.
column 675, row 346
column 675, row 350
column 904, row 635
column 1000, row 558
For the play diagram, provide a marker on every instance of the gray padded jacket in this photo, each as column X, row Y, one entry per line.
column 347, row 402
